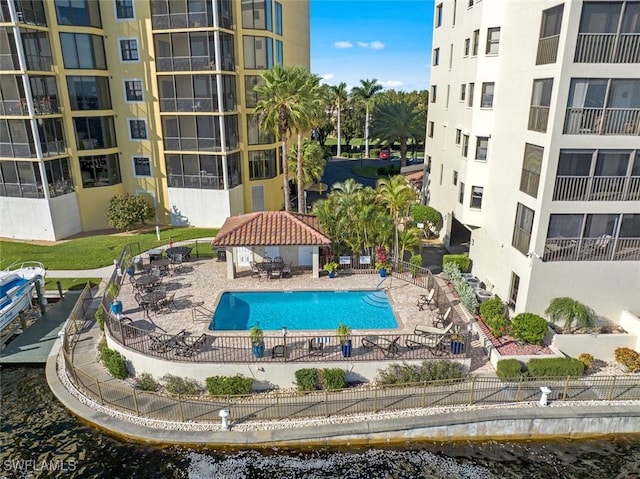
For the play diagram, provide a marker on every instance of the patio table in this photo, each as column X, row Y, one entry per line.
column 162, row 264
column 185, row 251
column 152, row 300
column 147, row 281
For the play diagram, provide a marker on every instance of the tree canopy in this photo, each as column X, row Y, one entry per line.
column 397, row 121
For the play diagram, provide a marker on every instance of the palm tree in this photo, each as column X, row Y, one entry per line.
column 281, row 109
column 313, row 161
column 339, row 98
column 365, row 93
column 397, row 195
column 397, row 121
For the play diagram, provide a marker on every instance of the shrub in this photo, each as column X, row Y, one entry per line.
column 184, row 386
column 99, row 315
column 529, row 327
column 426, row 371
column 147, row 383
column 498, row 325
column 586, row 359
column 333, row 378
column 460, row 260
column 228, row 385
column 468, row 298
column 374, row 152
column 112, row 291
column 307, row 379
column 628, row 358
column 415, row 263
column 427, row 215
column 126, row 210
column 492, row 308
column 570, row 311
column 555, row 367
column 509, row 369
column 114, row 362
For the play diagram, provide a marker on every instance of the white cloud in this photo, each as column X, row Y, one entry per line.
column 363, row 44
column 392, row 83
column 376, row 45
column 343, row 44
column 326, row 77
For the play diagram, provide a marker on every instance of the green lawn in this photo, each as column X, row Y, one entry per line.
column 367, row 171
column 70, row 283
column 94, row 251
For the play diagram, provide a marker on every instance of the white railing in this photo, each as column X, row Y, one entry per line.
column 602, row 248
column 597, row 188
column 538, row 118
column 602, row 121
column 595, row 47
column 627, row 249
column 621, row 121
column 628, row 50
column 547, row 50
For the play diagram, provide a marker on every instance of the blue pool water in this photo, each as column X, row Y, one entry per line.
column 303, row 310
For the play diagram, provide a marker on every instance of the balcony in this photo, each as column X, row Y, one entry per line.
column 547, row 50
column 603, row 248
column 597, row 188
column 538, row 118
column 602, row 121
column 176, row 64
column 13, row 107
column 187, row 104
column 608, row 48
column 182, row 20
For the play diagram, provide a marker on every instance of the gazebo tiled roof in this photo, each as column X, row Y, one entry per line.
column 270, row 228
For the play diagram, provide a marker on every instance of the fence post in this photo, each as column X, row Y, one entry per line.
column 278, row 407
column 424, row 394
column 135, row 402
column 518, row 390
column 375, row 399
column 180, row 408
column 613, row 385
column 99, row 392
column 566, row 388
column 326, row 403
column 473, row 390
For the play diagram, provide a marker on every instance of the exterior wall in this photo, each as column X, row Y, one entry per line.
column 607, row 286
column 194, row 207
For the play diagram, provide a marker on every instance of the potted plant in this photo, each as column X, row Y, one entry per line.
column 257, row 341
column 112, row 293
column 331, row 268
column 382, row 260
column 344, row 336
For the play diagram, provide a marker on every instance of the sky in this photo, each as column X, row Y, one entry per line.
column 389, row 40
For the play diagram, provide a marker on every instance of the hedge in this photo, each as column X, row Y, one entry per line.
column 509, row 369
column 307, row 379
column 529, row 328
column 555, row 367
column 228, row 385
column 333, row 378
column 460, row 260
column 185, row 386
column 114, row 362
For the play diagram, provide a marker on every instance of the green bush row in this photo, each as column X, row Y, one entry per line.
column 510, row 369
column 493, row 315
column 460, row 260
column 229, row 385
column 181, row 386
column 529, row 328
column 417, row 373
column 113, row 361
column 311, row 379
column 389, row 170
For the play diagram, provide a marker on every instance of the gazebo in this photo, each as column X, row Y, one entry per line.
column 295, row 237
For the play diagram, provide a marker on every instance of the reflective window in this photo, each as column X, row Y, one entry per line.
column 81, row 50
column 141, row 166
column 20, row 179
column 89, row 93
column 256, row 135
column 256, row 14
column 133, row 90
column 129, row 50
column 262, row 164
column 94, row 132
column 124, row 9
column 258, row 52
column 99, row 170
column 79, row 13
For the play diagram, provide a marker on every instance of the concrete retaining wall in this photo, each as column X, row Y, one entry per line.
column 601, row 346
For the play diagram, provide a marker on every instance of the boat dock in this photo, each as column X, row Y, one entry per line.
column 34, row 344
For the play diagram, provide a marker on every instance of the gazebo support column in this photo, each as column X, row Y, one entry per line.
column 315, row 261
column 231, row 262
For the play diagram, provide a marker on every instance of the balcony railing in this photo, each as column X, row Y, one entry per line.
column 597, row 188
column 521, row 240
column 602, row 121
column 192, row 144
column 168, row 64
column 607, row 48
column 13, row 107
column 187, row 104
column 182, row 20
column 602, row 248
column 547, row 50
column 9, row 62
column 538, row 118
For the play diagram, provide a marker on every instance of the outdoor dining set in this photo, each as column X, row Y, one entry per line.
column 271, row 268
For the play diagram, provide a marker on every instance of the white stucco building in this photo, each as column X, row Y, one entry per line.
column 533, row 139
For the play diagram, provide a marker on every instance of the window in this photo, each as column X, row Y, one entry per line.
column 467, row 46
column 472, row 87
column 438, row 15
column 138, row 129
column 279, row 53
column 89, row 93
column 458, row 136
column 434, row 93
column 531, row 167
column 465, row 145
column 255, row 134
column 133, row 90
column 99, row 170
column 540, row 102
column 256, row 14
column 20, row 179
column 455, row 7
column 81, row 50
column 476, row 41
column 450, row 56
column 513, row 290
column 141, row 166
column 124, row 9
column 94, row 132
column 258, row 52
column 482, row 144
column 278, row 7
column 448, row 95
column 455, row 178
column 436, row 56
column 202, row 171
column 493, row 40
column 476, row 197
column 129, row 50
column 79, row 13
column 59, row 177
column 463, row 92
column 251, row 97
column 549, row 35
column 461, row 193
column 470, row 4
column 522, row 228
column 441, row 171
column 486, row 101
column 430, row 128
column 262, row 164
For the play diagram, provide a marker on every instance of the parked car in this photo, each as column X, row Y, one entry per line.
column 385, row 154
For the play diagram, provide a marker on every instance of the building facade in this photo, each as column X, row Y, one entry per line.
column 151, row 97
column 534, row 139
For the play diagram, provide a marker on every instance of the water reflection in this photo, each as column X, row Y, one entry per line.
column 40, row 439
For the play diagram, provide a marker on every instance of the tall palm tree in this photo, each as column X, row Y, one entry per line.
column 313, row 161
column 397, row 121
column 339, row 98
column 365, row 93
column 397, row 195
column 282, row 110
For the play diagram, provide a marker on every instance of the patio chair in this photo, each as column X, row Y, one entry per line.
column 426, row 299
column 278, row 259
column 193, row 348
column 276, row 273
column 435, row 343
column 443, row 320
column 278, row 351
column 255, row 271
column 165, row 345
column 167, row 304
column 421, row 330
column 388, row 347
column 177, row 261
column 286, row 270
column 316, row 347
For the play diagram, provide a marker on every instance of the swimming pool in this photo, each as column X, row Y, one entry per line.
column 303, row 310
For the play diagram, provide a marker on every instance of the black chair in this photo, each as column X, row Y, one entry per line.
column 278, row 351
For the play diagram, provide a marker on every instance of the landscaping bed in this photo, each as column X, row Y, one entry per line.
column 508, row 346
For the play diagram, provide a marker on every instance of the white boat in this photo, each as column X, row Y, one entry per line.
column 17, row 283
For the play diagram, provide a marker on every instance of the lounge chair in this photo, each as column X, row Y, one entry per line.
column 443, row 320
column 165, row 345
column 316, row 347
column 435, row 343
column 193, row 348
column 431, row 331
column 388, row 347
column 426, row 299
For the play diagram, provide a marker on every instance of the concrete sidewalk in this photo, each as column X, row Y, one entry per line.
column 104, row 272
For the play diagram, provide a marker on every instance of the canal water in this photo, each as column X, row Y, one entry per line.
column 39, row 439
